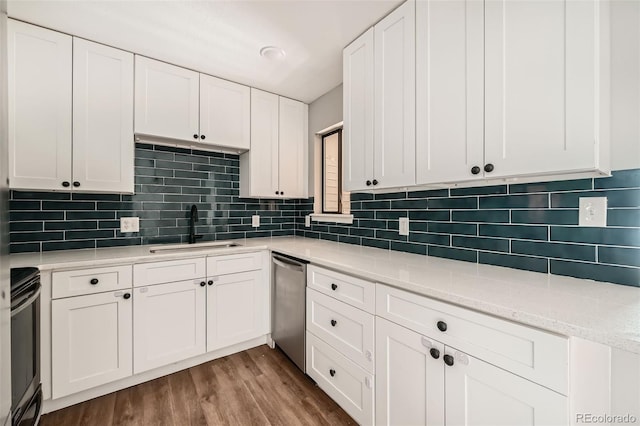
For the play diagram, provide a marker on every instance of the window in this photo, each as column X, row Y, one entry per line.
column 332, row 172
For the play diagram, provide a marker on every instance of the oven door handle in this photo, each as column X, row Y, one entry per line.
column 25, row 303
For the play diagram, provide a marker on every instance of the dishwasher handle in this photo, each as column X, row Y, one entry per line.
column 287, row 263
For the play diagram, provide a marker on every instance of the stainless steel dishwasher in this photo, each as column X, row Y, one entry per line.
column 289, row 306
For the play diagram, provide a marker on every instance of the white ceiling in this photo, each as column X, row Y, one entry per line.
column 223, row 37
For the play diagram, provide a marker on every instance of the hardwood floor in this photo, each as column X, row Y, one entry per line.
column 255, row 387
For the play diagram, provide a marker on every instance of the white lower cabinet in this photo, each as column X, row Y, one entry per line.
column 92, row 342
column 236, row 308
column 343, row 380
column 169, row 323
column 422, row 381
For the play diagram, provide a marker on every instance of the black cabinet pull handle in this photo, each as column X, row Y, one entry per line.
column 210, row 282
column 488, row 168
column 368, row 183
column 202, row 137
column 94, row 281
column 333, row 323
column 76, row 183
column 127, row 295
column 334, row 287
column 475, row 170
column 332, row 372
column 448, row 359
column 202, row 284
column 375, row 182
column 442, row 326
column 195, row 136
column 435, row 354
column 66, row 184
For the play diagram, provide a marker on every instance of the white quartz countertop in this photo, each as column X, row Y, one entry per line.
column 596, row 311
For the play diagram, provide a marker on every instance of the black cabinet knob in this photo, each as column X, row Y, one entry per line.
column 202, row 284
column 334, row 287
column 475, row 170
column 277, row 192
column 442, row 326
column 435, row 354
column 332, row 372
column 66, row 184
column 94, row 281
column 448, row 359
column 375, row 182
column 333, row 323
column 127, row 295
column 210, row 282
column 195, row 136
column 281, row 192
column 202, row 137
column 76, row 183
column 368, row 183
column 488, row 168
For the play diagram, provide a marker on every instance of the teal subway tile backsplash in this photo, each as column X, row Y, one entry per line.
column 532, row 226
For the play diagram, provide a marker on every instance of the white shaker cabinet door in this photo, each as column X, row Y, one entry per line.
column 541, row 86
column 395, row 99
column 478, row 393
column 449, row 90
column 39, row 107
column 260, row 177
column 357, row 136
column 166, row 100
column 169, row 323
column 292, row 149
column 91, row 341
column 236, row 309
column 225, row 113
column 102, row 118
column 409, row 377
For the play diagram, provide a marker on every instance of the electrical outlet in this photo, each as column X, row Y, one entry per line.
column 129, row 224
column 403, row 228
column 255, row 220
column 593, row 211
column 307, row 220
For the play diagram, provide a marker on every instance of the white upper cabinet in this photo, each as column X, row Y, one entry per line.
column 379, row 124
column 449, row 89
column 39, row 107
column 225, row 112
column 166, row 100
column 541, row 82
column 177, row 103
column 395, row 93
column 71, row 115
column 102, row 117
column 292, row 148
column 501, row 96
column 276, row 165
column 357, row 62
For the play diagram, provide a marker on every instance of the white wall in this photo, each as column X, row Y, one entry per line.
column 625, row 84
column 323, row 112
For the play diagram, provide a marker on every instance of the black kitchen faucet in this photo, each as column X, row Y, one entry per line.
column 193, row 218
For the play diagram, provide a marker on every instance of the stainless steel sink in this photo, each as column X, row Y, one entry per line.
column 197, row 246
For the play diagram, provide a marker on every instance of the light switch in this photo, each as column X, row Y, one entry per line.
column 255, row 220
column 129, row 224
column 403, row 227
column 593, row 211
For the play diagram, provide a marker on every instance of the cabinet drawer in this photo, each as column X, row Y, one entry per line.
column 528, row 352
column 88, row 281
column 351, row 290
column 168, row 271
column 230, row 264
column 347, row 329
column 346, row 383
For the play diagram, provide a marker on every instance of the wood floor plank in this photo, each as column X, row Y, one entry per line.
column 259, row 386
